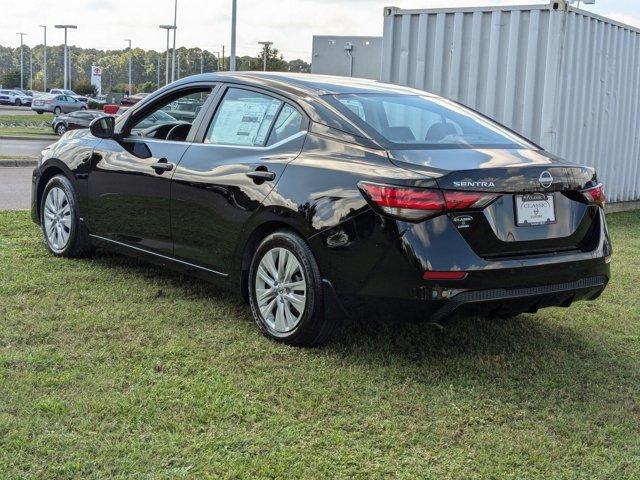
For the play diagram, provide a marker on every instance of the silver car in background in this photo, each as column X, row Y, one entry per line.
column 57, row 104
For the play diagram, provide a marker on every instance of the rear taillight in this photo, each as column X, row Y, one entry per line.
column 595, row 195
column 414, row 204
column 467, row 200
column 404, row 202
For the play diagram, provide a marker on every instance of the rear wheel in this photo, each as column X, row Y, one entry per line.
column 64, row 235
column 83, row 108
column 285, row 292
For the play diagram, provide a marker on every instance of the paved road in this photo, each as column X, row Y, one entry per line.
column 15, row 188
column 22, row 148
column 12, row 110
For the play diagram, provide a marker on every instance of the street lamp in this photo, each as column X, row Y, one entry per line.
column 128, row 40
column 234, row 15
column 175, row 30
column 264, row 55
column 44, row 62
column 21, row 59
column 66, row 64
column 167, row 28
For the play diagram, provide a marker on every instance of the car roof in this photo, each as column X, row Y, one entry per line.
column 305, row 83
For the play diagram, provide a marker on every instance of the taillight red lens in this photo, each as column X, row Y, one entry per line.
column 420, row 203
column 467, row 200
column 595, row 195
column 405, row 202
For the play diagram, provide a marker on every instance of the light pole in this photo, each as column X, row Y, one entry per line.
column 168, row 28
column 44, row 61
column 264, row 55
column 128, row 40
column 234, row 18
column 66, row 65
column 175, row 30
column 218, row 57
column 30, row 69
column 201, row 61
column 159, row 55
column 21, row 59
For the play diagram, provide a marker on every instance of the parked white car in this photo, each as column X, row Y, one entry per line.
column 14, row 97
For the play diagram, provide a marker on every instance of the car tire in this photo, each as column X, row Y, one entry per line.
column 64, row 234
column 61, row 129
column 57, row 111
column 83, row 108
column 286, row 292
column 18, row 102
column 39, row 112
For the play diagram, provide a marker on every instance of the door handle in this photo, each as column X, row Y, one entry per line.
column 261, row 175
column 162, row 166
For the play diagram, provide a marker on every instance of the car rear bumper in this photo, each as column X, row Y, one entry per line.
column 501, row 301
column 383, row 271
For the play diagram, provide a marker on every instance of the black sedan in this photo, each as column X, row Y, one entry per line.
column 74, row 120
column 316, row 196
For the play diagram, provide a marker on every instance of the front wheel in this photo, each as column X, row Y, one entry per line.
column 64, row 234
column 286, row 293
column 83, row 108
column 61, row 129
column 18, row 102
column 57, row 111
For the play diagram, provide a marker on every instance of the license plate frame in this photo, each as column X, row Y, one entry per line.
column 535, row 209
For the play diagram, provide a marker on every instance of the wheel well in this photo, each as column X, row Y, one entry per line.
column 48, row 174
column 250, row 246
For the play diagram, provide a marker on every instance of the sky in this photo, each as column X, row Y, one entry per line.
column 290, row 24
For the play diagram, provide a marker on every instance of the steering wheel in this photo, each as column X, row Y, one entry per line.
column 179, row 132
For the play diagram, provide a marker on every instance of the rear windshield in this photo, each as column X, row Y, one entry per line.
column 417, row 122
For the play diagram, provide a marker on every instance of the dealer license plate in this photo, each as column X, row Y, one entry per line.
column 535, row 209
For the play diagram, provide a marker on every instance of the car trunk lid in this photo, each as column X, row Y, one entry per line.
column 538, row 209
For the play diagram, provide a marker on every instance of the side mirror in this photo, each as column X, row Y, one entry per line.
column 103, row 127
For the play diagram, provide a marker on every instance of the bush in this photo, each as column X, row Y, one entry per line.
column 85, row 87
column 146, row 87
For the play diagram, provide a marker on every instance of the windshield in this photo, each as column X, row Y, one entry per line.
column 422, row 122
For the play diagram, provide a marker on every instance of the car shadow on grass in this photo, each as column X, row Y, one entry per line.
column 532, row 356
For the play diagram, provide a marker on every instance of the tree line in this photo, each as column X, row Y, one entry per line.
column 115, row 66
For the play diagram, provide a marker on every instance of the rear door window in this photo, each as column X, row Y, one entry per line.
column 243, row 118
column 288, row 123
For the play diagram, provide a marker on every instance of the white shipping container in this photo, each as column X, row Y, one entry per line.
column 565, row 78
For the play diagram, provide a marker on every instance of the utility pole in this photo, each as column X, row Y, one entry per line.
column 30, row 69
column 264, row 55
column 159, row 55
column 201, row 61
column 128, row 40
column 178, row 72
column 175, row 30
column 168, row 28
column 66, row 64
column 218, row 57
column 234, row 19
column 223, row 59
column 70, row 84
column 44, row 63
column 21, row 59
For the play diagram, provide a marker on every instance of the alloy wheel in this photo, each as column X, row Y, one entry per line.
column 281, row 290
column 57, row 218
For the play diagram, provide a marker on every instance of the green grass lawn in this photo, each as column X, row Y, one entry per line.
column 26, row 125
column 110, row 368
